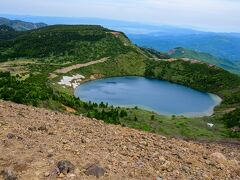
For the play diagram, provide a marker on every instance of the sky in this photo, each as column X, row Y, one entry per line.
column 210, row 15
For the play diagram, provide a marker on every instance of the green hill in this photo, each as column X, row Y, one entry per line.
column 83, row 42
column 31, row 60
column 20, row 25
column 205, row 57
column 7, row 33
column 5, row 28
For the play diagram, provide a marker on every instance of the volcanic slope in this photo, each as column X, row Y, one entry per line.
column 33, row 141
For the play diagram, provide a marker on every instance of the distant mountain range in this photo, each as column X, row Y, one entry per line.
column 20, row 25
column 159, row 37
column 222, row 49
column 223, row 45
column 180, row 52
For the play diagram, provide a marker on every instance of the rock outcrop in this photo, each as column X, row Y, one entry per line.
column 33, row 142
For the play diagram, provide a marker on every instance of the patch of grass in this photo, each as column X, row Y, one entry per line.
column 122, row 65
column 179, row 126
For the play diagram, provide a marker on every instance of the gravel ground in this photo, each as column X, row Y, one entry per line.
column 33, row 142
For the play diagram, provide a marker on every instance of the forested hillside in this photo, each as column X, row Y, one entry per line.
column 198, row 76
column 83, row 42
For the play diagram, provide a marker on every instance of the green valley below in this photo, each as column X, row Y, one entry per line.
column 32, row 64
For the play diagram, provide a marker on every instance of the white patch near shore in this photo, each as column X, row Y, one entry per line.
column 210, row 125
column 71, row 81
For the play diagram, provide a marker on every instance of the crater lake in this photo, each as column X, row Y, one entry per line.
column 158, row 96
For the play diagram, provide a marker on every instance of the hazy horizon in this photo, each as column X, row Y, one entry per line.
column 51, row 20
column 206, row 15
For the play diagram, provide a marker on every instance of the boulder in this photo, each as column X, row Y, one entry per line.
column 219, row 157
column 9, row 175
column 65, row 167
column 10, row 136
column 95, row 170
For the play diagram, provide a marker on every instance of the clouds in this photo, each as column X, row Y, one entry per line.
column 207, row 14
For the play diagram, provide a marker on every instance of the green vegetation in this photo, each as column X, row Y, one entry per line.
column 130, row 63
column 232, row 120
column 29, row 91
column 5, row 28
column 205, row 57
column 81, row 43
column 152, row 53
column 43, row 52
column 7, row 33
column 198, row 76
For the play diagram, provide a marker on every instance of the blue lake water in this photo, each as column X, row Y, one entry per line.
column 159, row 96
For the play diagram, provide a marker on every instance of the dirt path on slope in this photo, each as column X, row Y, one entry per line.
column 77, row 66
column 33, row 141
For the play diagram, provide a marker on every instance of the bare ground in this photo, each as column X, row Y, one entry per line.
column 33, row 141
column 77, row 66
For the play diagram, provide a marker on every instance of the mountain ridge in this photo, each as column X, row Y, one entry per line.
column 160, row 37
column 19, row 25
column 180, row 52
column 225, row 46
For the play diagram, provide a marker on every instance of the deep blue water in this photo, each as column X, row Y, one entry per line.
column 159, row 96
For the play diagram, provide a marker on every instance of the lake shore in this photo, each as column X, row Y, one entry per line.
column 217, row 100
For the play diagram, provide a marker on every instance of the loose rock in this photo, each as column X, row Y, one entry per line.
column 218, row 157
column 46, row 174
column 10, row 136
column 9, row 175
column 125, row 153
column 95, row 170
column 65, row 167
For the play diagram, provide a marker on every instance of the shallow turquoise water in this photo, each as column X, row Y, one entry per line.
column 159, row 96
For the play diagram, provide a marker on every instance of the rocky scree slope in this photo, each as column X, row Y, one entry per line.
column 40, row 144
